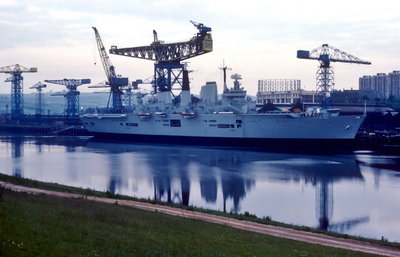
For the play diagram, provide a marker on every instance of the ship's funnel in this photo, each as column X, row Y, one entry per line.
column 185, row 81
column 186, row 98
column 208, row 93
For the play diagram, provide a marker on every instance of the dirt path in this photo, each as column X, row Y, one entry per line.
column 304, row 236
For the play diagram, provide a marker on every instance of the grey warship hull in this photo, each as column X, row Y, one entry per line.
column 268, row 131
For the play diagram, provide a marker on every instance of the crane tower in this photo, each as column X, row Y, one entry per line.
column 72, row 95
column 168, row 69
column 327, row 54
column 39, row 98
column 115, row 82
column 16, row 79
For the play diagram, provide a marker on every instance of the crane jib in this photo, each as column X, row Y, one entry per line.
column 166, row 52
column 159, row 51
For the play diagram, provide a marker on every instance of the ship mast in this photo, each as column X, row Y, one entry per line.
column 224, row 68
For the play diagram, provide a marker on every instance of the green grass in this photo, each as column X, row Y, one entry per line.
column 48, row 226
column 247, row 216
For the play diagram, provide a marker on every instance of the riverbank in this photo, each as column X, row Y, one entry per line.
column 51, row 214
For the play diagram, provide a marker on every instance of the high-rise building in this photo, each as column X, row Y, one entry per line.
column 365, row 83
column 394, row 80
column 381, row 85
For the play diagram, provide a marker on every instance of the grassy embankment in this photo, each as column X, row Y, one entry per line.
column 48, row 226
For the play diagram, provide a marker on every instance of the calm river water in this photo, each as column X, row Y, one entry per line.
column 354, row 194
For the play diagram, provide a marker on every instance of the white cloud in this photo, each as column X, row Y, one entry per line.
column 8, row 3
column 33, row 9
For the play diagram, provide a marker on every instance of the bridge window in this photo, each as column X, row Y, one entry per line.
column 175, row 123
column 226, row 126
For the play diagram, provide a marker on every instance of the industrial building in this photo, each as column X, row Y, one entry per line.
column 284, row 92
column 381, row 85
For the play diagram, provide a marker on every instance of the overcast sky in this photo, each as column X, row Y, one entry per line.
column 257, row 39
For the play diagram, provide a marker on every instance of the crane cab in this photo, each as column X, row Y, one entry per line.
column 207, row 43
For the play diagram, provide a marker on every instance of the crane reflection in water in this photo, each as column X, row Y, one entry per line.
column 17, row 152
column 171, row 171
column 224, row 179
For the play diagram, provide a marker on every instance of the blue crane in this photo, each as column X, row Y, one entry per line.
column 115, row 82
column 168, row 69
column 16, row 79
column 327, row 54
column 39, row 98
column 71, row 95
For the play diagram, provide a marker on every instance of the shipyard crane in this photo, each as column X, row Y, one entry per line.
column 127, row 92
column 134, row 85
column 39, row 97
column 168, row 69
column 71, row 95
column 115, row 82
column 16, row 79
column 327, row 54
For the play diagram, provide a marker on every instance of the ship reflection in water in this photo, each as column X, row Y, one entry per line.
column 352, row 194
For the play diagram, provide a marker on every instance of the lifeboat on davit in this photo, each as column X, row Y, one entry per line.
column 144, row 115
column 161, row 114
column 188, row 115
